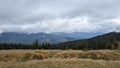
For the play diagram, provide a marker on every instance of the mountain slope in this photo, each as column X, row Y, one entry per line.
column 23, row 38
column 108, row 40
column 78, row 35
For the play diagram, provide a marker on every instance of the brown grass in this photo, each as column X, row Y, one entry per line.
column 59, row 59
column 22, row 55
column 62, row 63
column 104, row 55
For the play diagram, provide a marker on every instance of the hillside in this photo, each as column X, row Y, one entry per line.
column 79, row 35
column 106, row 41
column 24, row 38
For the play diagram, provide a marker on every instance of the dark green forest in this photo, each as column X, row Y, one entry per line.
column 106, row 41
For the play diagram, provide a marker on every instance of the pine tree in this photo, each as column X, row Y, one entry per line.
column 115, row 45
column 46, row 45
column 35, row 44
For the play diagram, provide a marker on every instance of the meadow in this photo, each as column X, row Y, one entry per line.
column 59, row 59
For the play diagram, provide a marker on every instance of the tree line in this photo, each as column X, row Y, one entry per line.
column 76, row 46
column 34, row 45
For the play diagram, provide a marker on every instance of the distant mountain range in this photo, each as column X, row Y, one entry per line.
column 79, row 35
column 66, row 41
column 24, row 38
column 53, row 38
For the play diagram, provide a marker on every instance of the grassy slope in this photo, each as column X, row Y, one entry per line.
column 59, row 59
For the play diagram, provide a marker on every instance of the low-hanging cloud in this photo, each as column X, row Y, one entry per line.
column 33, row 16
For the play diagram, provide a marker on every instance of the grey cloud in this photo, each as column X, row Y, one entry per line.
column 58, row 15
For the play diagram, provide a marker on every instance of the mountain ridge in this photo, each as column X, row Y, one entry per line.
column 24, row 38
column 104, row 41
column 79, row 35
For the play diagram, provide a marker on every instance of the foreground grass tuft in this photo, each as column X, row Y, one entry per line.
column 96, row 55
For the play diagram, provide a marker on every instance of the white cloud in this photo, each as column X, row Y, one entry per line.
column 59, row 15
column 78, row 24
column 109, row 25
column 1, row 31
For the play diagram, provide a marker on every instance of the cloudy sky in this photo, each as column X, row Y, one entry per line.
column 33, row 16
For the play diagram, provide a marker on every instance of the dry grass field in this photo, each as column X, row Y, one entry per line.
column 59, row 59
